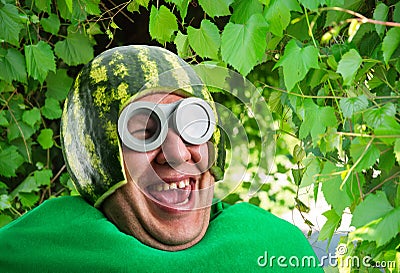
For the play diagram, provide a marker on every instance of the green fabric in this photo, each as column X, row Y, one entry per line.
column 68, row 235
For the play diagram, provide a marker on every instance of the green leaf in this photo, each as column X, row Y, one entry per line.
column 43, row 5
column 39, row 60
column 381, row 14
column 396, row 12
column 277, row 14
column 51, row 24
column 310, row 175
column 75, row 49
column 3, row 120
column 216, row 7
column 28, row 185
column 206, row 40
column 332, row 223
column 10, row 24
column 358, row 148
column 51, row 109
column 244, row 9
column 243, row 45
column 10, row 161
column 312, row 4
column 43, row 177
column 296, row 62
column 339, row 199
column 4, row 202
column 375, row 116
column 12, row 66
column 316, row 120
column 182, row 45
column 390, row 43
column 58, row 84
column 396, row 150
column 162, row 24
column 28, row 199
column 389, row 127
column 351, row 106
column 349, row 65
column 182, row 6
column 134, row 5
column 376, row 220
column 19, row 129
column 31, row 117
column 45, row 138
column 4, row 220
column 92, row 7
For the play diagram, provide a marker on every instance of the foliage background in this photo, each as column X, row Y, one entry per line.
column 329, row 70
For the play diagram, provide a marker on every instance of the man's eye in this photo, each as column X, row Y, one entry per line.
column 143, row 134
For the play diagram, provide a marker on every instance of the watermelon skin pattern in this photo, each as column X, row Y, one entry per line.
column 89, row 136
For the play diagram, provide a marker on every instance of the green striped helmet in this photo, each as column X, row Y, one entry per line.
column 110, row 81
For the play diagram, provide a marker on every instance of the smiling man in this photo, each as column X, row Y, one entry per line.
column 142, row 144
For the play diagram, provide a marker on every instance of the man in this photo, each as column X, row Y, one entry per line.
column 140, row 141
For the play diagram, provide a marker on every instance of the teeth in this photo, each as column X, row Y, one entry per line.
column 172, row 186
column 165, row 187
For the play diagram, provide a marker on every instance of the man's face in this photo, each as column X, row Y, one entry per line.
column 166, row 202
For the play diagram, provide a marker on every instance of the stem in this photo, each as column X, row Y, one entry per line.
column 383, row 182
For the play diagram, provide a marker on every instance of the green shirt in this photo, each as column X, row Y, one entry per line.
column 67, row 235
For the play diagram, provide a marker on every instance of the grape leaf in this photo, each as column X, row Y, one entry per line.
column 380, row 14
column 277, row 14
column 10, row 24
column 376, row 220
column 92, row 7
column 375, row 116
column 31, row 117
column 216, row 8
column 353, row 105
column 28, row 199
column 4, row 220
column 39, row 60
column 51, row 109
column 182, row 6
column 390, row 43
column 206, row 40
column 339, row 199
column 134, row 5
column 332, row 223
column 357, row 148
column 388, row 127
column 396, row 12
column 182, row 45
column 43, row 177
column 10, row 161
column 75, row 49
column 244, row 9
column 312, row 4
column 162, row 24
column 58, row 84
column 4, row 202
column 316, row 120
column 51, row 24
column 12, row 66
column 45, row 138
column 349, row 65
column 19, row 129
column 43, row 5
column 243, row 45
column 296, row 62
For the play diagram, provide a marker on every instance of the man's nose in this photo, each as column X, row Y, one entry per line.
column 173, row 150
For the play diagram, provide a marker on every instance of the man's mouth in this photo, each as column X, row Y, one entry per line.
column 172, row 194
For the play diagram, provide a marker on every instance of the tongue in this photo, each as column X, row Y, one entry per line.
column 171, row 196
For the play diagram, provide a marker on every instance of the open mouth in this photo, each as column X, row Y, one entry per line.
column 172, row 194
